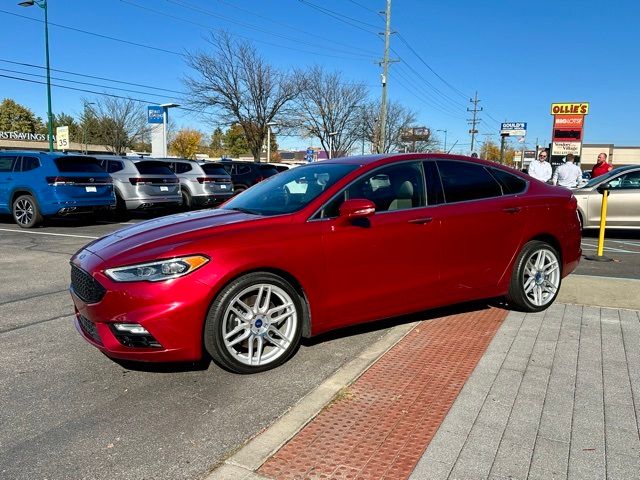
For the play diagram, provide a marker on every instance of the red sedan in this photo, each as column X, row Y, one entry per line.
column 319, row 247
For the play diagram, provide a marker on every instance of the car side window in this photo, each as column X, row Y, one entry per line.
column 511, row 184
column 242, row 169
column 463, row 181
column 6, row 163
column 627, row 181
column 182, row 167
column 395, row 187
column 114, row 166
column 29, row 163
column 435, row 195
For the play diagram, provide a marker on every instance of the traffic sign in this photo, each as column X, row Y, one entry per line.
column 62, row 138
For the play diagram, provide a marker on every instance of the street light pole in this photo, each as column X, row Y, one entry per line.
column 269, row 125
column 43, row 4
column 445, row 139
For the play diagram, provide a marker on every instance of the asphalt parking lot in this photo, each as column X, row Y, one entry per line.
column 70, row 412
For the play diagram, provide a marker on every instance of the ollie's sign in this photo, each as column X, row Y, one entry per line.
column 568, row 125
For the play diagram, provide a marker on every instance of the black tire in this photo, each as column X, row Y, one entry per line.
column 215, row 323
column 186, row 200
column 238, row 189
column 519, row 296
column 121, row 212
column 26, row 212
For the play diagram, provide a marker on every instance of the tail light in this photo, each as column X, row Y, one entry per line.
column 572, row 204
column 61, row 181
column 207, row 180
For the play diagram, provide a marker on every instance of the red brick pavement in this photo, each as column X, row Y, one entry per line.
column 379, row 427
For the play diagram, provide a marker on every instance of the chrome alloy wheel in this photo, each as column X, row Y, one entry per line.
column 259, row 325
column 23, row 211
column 541, row 277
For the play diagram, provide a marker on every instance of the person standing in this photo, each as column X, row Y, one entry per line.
column 601, row 167
column 568, row 174
column 540, row 169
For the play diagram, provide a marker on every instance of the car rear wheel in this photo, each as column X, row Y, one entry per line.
column 536, row 277
column 254, row 324
column 26, row 212
column 186, row 199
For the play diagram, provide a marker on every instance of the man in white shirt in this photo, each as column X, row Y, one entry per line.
column 540, row 168
column 568, row 174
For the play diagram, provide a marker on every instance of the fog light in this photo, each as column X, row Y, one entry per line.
column 134, row 328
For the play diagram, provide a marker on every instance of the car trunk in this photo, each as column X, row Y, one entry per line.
column 80, row 177
column 155, row 179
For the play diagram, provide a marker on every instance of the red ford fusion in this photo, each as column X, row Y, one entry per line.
column 323, row 246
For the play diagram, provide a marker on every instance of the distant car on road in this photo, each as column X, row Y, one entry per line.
column 201, row 185
column 142, row 184
column 35, row 185
column 247, row 174
column 623, row 204
column 319, row 247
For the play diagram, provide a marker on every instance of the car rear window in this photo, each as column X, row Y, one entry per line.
column 153, row 168
column 510, row 183
column 78, row 165
column 464, row 181
column 214, row 169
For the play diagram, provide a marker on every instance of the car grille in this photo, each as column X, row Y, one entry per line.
column 87, row 288
column 89, row 328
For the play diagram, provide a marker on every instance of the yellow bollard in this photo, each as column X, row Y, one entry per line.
column 603, row 222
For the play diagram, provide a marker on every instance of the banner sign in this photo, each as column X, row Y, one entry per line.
column 565, row 148
column 155, row 114
column 26, row 137
column 570, row 108
column 62, row 138
column 513, row 129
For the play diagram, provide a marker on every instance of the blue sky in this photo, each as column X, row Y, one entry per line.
column 519, row 56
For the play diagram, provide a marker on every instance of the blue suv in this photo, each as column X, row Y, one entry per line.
column 34, row 185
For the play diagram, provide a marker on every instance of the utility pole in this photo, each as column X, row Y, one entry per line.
column 475, row 120
column 385, row 71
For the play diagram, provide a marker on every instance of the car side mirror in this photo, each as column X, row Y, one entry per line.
column 357, row 208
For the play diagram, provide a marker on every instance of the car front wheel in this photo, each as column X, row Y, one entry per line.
column 536, row 277
column 26, row 212
column 254, row 324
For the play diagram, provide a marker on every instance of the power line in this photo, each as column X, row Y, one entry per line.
column 95, row 34
column 31, row 65
column 365, row 8
column 340, row 17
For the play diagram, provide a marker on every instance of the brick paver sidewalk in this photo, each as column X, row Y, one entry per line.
column 380, row 425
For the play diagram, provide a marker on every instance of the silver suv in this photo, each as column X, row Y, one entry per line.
column 201, row 184
column 141, row 184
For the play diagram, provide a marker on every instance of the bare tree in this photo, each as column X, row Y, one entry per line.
column 241, row 86
column 327, row 104
column 399, row 118
column 118, row 123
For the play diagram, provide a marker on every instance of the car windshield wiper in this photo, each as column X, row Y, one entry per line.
column 245, row 210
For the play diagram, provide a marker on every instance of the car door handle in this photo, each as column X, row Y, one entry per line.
column 421, row 221
column 511, row 209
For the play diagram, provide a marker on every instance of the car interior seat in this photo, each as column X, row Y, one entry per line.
column 403, row 196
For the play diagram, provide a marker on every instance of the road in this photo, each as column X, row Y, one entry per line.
column 69, row 412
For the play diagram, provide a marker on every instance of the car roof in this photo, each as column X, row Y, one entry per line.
column 391, row 157
column 42, row 153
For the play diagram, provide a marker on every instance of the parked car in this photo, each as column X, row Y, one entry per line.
column 35, row 185
column 623, row 203
column 201, row 184
column 244, row 282
column 142, row 184
column 247, row 174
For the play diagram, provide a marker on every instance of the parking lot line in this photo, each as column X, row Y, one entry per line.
column 611, row 249
column 48, row 233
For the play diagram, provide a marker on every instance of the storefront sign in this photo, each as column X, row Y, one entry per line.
column 155, row 114
column 570, row 108
column 25, row 137
column 513, row 129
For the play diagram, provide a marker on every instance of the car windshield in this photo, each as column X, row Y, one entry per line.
column 601, row 178
column 289, row 191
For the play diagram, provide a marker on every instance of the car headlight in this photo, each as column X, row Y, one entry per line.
column 157, row 271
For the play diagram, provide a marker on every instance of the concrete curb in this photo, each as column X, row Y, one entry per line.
column 243, row 464
column 600, row 291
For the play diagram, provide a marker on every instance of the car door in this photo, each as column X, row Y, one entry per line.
column 481, row 229
column 623, row 204
column 7, row 163
column 386, row 264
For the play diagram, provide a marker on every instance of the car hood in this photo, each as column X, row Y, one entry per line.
column 171, row 230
